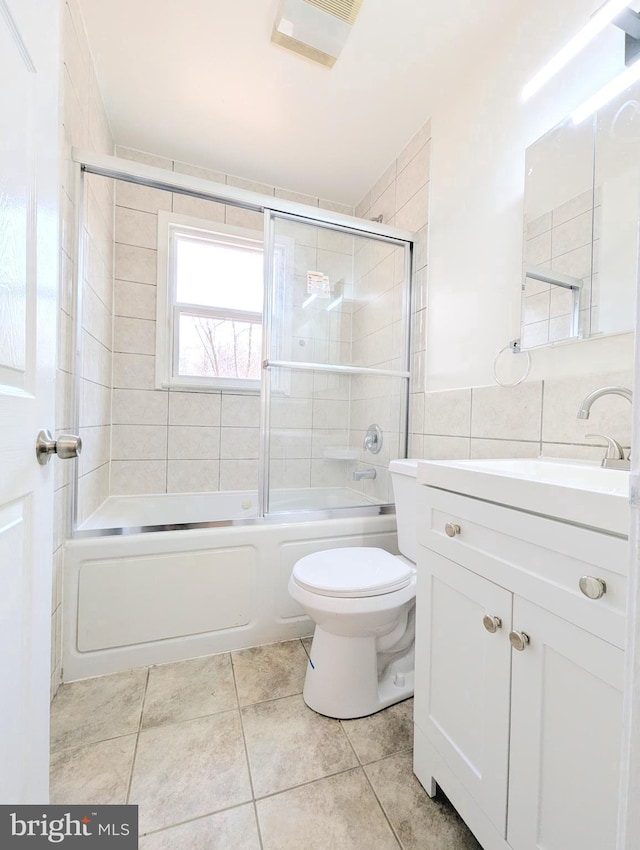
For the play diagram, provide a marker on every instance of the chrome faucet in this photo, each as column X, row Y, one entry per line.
column 585, row 408
column 359, row 474
column 614, row 458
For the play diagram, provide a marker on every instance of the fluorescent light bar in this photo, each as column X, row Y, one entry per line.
column 597, row 23
column 334, row 303
column 607, row 93
column 309, row 300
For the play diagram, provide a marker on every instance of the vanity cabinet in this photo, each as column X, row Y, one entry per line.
column 524, row 741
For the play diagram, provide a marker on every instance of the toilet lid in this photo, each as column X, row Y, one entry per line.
column 352, row 572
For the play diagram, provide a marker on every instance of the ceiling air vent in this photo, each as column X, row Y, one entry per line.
column 315, row 29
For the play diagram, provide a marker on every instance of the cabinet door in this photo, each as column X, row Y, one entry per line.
column 565, row 736
column 463, row 677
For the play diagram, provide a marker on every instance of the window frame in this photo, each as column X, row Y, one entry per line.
column 169, row 309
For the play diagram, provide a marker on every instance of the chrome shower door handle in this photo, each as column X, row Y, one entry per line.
column 66, row 446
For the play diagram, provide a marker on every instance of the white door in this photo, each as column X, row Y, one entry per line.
column 463, row 677
column 566, row 715
column 29, row 257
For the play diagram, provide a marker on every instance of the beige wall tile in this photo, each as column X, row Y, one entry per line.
column 503, row 449
column 198, row 208
column 187, row 442
column 414, row 145
column 413, row 176
column 134, row 300
column 134, row 371
column 446, row 448
column 142, row 198
column 189, row 408
column 415, row 213
column 140, row 407
column 139, row 442
column 134, row 336
column 448, row 412
column 136, row 264
column 512, row 413
column 197, row 171
column 192, row 476
column 240, row 410
column 238, row 474
column 131, row 477
column 239, row 443
column 136, row 228
column 145, row 158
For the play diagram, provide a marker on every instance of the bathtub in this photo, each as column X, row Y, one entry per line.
column 134, row 599
column 130, row 514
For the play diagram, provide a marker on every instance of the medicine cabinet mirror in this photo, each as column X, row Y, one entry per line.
column 581, row 221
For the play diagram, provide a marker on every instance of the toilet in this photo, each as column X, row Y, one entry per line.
column 362, row 601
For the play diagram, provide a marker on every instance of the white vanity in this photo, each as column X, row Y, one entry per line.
column 519, row 648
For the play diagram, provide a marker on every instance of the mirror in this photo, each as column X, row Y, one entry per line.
column 581, row 220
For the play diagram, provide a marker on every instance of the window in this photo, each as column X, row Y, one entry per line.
column 210, row 292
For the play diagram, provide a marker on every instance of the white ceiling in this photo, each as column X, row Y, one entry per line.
column 200, row 81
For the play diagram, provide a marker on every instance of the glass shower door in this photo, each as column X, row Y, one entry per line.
column 335, row 370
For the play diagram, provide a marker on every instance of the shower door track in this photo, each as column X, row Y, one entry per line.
column 117, row 168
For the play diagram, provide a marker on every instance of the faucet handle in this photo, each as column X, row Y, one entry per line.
column 614, row 449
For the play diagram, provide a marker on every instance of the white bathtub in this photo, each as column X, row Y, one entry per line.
column 137, row 599
column 177, row 509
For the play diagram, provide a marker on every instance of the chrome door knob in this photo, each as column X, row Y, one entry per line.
column 592, row 587
column 491, row 624
column 66, row 446
column 451, row 529
column 519, row 640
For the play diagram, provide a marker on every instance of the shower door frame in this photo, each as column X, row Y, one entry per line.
column 131, row 171
column 271, row 216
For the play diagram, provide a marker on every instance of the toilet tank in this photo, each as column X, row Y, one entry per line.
column 403, row 479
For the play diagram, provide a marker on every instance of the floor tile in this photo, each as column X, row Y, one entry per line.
column 420, row 822
column 235, row 828
column 289, row 744
column 340, row 812
column 269, row 672
column 382, row 734
column 96, row 709
column 96, row 774
column 185, row 690
column 186, row 770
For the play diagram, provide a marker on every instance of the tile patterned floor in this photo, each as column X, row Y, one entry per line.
column 221, row 753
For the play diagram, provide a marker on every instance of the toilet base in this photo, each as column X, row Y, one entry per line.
column 343, row 680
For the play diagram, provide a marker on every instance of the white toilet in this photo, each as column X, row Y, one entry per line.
column 362, row 601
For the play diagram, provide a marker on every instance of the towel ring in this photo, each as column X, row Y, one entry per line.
column 514, row 348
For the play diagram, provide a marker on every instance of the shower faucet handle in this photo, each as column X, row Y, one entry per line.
column 373, row 439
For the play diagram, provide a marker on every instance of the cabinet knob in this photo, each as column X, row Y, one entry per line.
column 518, row 640
column 491, row 624
column 592, row 587
column 451, row 529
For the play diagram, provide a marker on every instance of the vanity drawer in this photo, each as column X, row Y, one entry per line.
column 537, row 558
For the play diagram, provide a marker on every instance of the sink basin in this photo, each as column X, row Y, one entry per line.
column 570, row 490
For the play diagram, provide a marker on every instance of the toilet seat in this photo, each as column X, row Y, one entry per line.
column 352, row 572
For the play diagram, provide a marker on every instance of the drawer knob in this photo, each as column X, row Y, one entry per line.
column 491, row 624
column 451, row 529
column 518, row 640
column 592, row 587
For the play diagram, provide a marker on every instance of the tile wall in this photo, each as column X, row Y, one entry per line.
column 173, row 441
column 83, row 124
